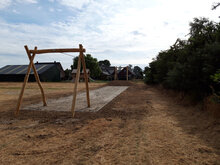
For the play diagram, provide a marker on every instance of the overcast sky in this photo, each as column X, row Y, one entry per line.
column 122, row 31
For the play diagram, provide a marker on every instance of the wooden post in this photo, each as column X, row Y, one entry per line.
column 36, row 75
column 24, row 84
column 115, row 73
column 85, row 75
column 76, row 83
column 127, row 73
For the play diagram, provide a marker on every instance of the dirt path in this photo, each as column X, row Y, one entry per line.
column 140, row 126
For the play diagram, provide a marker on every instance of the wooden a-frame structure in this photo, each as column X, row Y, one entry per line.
column 32, row 53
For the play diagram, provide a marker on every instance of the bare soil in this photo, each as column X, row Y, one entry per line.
column 140, row 126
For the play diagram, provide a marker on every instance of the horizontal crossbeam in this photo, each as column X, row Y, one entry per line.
column 57, row 50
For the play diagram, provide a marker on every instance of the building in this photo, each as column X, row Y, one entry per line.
column 48, row 72
column 81, row 77
column 122, row 74
column 108, row 72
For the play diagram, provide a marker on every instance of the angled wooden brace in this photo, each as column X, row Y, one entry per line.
column 80, row 59
column 36, row 75
column 24, row 84
column 85, row 75
column 76, row 84
column 115, row 76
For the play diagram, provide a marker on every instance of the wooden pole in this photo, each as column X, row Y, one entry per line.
column 76, row 83
column 36, row 75
column 127, row 73
column 56, row 50
column 85, row 75
column 115, row 73
column 24, row 84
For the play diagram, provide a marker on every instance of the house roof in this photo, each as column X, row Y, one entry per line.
column 108, row 70
column 58, row 64
column 22, row 69
column 105, row 73
column 130, row 70
column 111, row 70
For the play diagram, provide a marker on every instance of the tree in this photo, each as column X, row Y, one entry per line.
column 91, row 64
column 215, row 5
column 130, row 66
column 188, row 65
column 104, row 62
column 67, row 74
column 138, row 72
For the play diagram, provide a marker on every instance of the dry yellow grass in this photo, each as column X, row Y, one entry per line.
column 9, row 92
column 140, row 126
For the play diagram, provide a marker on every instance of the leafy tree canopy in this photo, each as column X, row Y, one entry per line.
column 138, row 72
column 188, row 65
column 91, row 64
column 104, row 62
column 215, row 5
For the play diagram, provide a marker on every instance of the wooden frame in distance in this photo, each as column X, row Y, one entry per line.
column 31, row 55
column 116, row 76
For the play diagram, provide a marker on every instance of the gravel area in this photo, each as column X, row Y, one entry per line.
column 98, row 99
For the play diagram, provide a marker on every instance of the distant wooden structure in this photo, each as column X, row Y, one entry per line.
column 116, row 74
column 125, row 74
column 81, row 77
column 32, row 53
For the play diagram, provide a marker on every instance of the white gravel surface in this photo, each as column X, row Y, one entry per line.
column 98, row 99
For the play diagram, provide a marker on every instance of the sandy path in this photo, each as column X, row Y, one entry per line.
column 178, row 135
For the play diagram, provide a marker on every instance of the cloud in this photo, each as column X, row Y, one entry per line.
column 123, row 31
column 165, row 23
column 78, row 4
column 51, row 9
column 15, row 11
column 4, row 4
column 137, row 33
column 27, row 1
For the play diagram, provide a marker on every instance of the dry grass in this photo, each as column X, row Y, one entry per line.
column 9, row 92
column 140, row 126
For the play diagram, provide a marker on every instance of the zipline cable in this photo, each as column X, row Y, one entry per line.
column 69, row 55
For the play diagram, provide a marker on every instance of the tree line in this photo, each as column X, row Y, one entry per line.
column 95, row 67
column 191, row 66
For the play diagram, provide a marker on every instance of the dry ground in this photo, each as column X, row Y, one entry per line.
column 98, row 99
column 9, row 92
column 140, row 126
